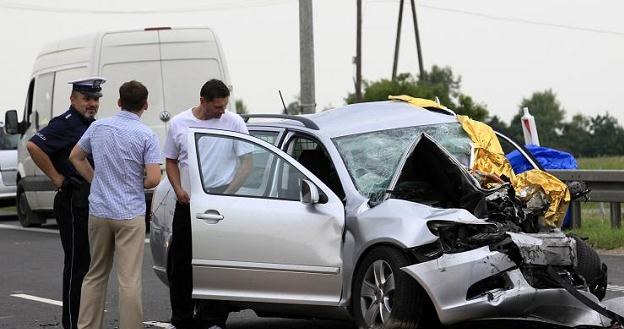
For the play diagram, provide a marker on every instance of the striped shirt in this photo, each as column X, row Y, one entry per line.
column 121, row 146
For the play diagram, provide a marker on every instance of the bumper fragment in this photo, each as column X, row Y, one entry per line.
column 448, row 279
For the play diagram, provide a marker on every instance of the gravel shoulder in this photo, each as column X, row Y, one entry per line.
column 611, row 252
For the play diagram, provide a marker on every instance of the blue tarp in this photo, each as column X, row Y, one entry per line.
column 548, row 159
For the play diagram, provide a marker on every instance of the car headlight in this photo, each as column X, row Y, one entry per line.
column 459, row 237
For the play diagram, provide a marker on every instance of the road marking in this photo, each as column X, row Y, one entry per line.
column 29, row 229
column 59, row 303
column 39, row 299
column 612, row 287
column 158, row 324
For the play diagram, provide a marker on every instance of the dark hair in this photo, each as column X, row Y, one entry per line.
column 132, row 96
column 214, row 89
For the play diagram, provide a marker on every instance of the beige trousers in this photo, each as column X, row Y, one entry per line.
column 126, row 239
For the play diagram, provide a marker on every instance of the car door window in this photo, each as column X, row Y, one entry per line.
column 267, row 136
column 221, row 158
column 312, row 155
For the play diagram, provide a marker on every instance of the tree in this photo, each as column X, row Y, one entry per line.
column 241, row 108
column 293, row 108
column 439, row 83
column 577, row 137
column 548, row 114
column 608, row 135
column 404, row 84
column 498, row 125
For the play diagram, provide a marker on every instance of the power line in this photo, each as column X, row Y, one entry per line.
column 516, row 20
column 224, row 5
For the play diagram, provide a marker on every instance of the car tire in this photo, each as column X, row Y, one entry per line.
column 591, row 268
column 27, row 217
column 384, row 296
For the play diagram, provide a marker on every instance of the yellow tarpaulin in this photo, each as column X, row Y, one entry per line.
column 490, row 158
column 420, row 102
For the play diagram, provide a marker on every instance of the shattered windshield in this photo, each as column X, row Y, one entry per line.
column 372, row 158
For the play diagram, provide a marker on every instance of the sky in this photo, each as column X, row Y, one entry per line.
column 503, row 50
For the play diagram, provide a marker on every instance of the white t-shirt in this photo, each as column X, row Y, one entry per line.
column 216, row 170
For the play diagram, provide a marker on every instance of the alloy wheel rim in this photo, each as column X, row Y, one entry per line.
column 377, row 293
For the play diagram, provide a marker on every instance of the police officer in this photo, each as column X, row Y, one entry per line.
column 50, row 148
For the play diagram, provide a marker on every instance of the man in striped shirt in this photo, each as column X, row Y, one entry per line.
column 123, row 150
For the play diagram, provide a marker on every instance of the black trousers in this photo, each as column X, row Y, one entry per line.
column 71, row 209
column 186, row 312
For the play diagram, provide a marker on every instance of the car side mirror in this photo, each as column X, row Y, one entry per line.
column 11, row 124
column 308, row 192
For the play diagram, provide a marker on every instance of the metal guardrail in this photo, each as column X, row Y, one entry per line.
column 605, row 186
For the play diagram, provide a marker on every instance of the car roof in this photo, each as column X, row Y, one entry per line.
column 365, row 117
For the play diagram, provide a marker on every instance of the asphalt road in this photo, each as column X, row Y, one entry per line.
column 30, row 286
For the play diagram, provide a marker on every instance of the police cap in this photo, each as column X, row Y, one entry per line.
column 90, row 87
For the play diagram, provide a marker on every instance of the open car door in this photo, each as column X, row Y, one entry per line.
column 261, row 243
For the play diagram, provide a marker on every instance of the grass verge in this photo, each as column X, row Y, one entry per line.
column 614, row 162
column 599, row 233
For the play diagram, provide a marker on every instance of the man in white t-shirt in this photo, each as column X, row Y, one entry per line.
column 232, row 164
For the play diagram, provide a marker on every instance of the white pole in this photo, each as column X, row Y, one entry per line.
column 529, row 128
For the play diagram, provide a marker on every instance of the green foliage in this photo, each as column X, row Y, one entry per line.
column 577, row 136
column 498, row 125
column 582, row 136
column 599, row 232
column 585, row 136
column 293, row 108
column 607, row 135
column 438, row 83
column 548, row 114
column 466, row 106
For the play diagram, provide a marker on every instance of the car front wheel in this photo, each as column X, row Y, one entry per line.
column 384, row 296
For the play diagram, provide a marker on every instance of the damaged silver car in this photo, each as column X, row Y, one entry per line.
column 374, row 213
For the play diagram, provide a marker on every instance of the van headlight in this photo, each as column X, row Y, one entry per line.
column 459, row 237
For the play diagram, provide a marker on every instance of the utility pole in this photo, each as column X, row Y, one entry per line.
column 358, row 54
column 420, row 60
column 398, row 41
column 306, row 57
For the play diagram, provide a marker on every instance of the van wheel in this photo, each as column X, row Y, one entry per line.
column 386, row 297
column 26, row 216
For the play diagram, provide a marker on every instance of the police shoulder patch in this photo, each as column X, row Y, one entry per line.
column 40, row 135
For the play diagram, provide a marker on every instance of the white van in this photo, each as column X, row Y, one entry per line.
column 173, row 63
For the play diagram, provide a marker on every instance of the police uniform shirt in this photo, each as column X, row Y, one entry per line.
column 58, row 138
